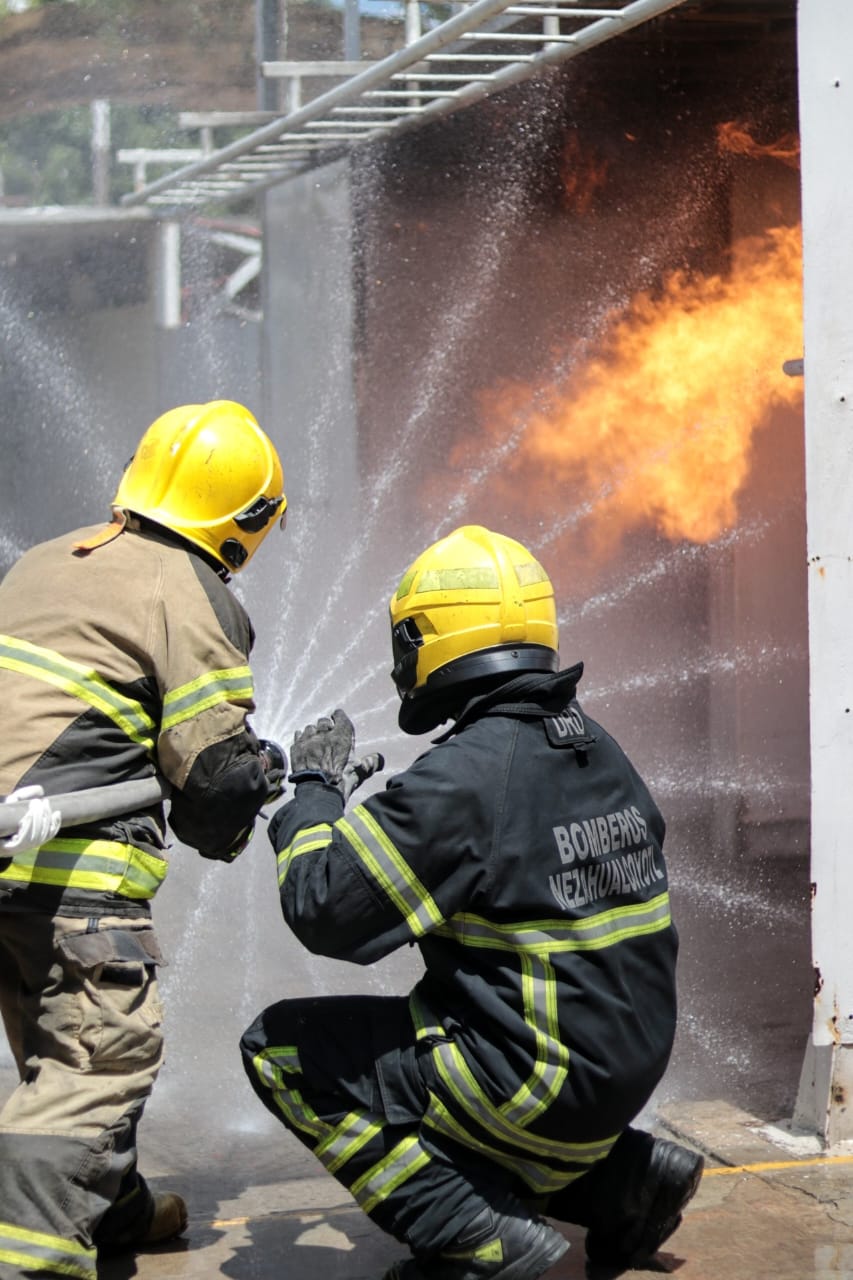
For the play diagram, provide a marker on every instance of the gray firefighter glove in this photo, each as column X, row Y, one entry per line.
column 359, row 771
column 323, row 751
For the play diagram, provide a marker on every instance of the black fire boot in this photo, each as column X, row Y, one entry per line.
column 647, row 1212
column 495, row 1246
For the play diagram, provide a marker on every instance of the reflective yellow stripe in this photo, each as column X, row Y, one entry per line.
column 335, row 1144
column 272, row 1066
column 509, row 1124
column 604, row 929
column 346, row 1139
column 456, row 1074
column 38, row 1251
column 465, row 1090
column 387, row 866
column 80, row 682
column 544, row 1179
column 51, row 1265
column 551, row 1066
column 539, row 990
column 106, row 866
column 232, row 684
column 278, row 1069
column 304, row 841
column 377, row 1183
column 422, row 1027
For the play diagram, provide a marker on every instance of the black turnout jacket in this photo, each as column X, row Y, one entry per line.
column 523, row 855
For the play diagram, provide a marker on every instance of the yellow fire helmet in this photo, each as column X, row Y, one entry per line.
column 476, row 604
column 210, row 474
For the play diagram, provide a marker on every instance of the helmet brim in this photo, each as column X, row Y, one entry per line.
column 448, row 688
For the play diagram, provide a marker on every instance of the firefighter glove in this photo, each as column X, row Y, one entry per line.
column 39, row 824
column 274, row 761
column 358, row 771
column 322, row 750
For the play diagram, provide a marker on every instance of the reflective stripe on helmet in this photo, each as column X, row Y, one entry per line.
column 469, row 578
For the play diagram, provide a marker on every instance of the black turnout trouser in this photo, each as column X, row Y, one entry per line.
column 343, row 1074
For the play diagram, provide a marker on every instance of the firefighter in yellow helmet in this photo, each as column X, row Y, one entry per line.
column 124, row 656
column 523, row 855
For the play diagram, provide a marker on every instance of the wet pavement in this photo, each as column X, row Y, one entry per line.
column 769, row 1205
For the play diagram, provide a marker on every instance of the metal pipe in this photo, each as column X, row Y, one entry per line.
column 168, row 294
column 533, row 11
column 101, row 151
column 79, row 807
column 267, row 42
column 352, row 31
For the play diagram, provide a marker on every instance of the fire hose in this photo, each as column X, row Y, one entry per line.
column 79, row 807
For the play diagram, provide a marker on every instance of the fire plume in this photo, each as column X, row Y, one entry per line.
column 657, row 428
column 734, row 138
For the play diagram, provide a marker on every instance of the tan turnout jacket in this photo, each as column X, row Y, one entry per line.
column 127, row 660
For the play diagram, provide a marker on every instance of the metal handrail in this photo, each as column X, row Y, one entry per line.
column 416, row 76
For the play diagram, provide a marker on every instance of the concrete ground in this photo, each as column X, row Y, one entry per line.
column 768, row 1206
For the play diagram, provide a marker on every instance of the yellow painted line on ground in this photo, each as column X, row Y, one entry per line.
column 289, row 1212
column 763, row 1166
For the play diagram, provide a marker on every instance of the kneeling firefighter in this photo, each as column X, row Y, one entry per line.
column 522, row 854
column 124, row 657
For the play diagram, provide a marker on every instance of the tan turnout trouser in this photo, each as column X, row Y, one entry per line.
column 81, row 1009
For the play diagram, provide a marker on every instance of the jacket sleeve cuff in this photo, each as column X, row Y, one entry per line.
column 313, row 802
column 308, row 775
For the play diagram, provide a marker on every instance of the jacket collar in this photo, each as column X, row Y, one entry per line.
column 532, row 694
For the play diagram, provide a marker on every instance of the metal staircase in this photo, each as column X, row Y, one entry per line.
column 485, row 47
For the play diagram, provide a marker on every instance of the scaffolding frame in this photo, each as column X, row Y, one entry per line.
column 485, row 47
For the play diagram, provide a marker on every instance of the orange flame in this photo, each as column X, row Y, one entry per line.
column 658, row 427
column 735, row 139
column 581, row 173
